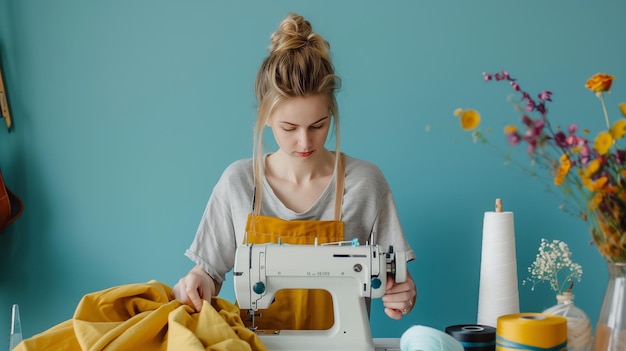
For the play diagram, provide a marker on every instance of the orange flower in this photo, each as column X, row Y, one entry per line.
column 600, row 82
column 563, row 170
column 510, row 129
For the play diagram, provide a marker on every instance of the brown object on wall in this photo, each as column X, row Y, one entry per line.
column 11, row 206
column 4, row 102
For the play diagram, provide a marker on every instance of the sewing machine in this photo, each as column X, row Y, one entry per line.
column 350, row 273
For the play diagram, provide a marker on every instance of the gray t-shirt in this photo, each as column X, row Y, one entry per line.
column 368, row 211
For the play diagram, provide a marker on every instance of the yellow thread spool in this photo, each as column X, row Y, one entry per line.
column 530, row 331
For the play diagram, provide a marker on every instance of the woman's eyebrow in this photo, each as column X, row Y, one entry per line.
column 316, row 122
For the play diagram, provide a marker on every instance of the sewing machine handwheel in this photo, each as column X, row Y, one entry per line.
column 399, row 267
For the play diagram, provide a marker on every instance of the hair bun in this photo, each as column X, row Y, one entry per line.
column 294, row 32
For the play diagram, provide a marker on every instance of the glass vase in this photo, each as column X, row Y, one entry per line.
column 579, row 330
column 610, row 332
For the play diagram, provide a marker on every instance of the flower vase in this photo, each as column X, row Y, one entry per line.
column 579, row 330
column 610, row 332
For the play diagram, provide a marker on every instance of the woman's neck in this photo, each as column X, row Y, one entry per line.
column 281, row 166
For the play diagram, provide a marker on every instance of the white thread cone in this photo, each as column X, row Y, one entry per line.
column 498, row 293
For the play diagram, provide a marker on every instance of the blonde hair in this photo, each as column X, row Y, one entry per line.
column 298, row 65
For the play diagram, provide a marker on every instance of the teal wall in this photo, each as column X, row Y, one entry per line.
column 126, row 113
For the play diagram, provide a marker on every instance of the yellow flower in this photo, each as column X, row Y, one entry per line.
column 585, row 175
column 622, row 108
column 600, row 183
column 510, row 129
column 470, row 119
column 592, row 168
column 595, row 201
column 563, row 170
column 458, row 112
column 600, row 82
column 603, row 143
column 619, row 129
column 595, row 185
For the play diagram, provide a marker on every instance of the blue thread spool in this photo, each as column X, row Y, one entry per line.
column 474, row 337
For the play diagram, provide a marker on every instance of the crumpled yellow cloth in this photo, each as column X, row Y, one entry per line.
column 142, row 317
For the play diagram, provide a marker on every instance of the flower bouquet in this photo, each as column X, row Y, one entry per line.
column 591, row 173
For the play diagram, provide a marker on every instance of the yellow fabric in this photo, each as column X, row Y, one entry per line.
column 265, row 229
column 294, row 309
column 142, row 317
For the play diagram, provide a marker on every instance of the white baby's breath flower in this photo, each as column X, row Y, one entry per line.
column 553, row 264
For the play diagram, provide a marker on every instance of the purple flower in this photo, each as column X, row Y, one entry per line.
column 560, row 139
column 620, row 156
column 585, row 154
column 545, row 95
column 541, row 108
column 574, row 140
column 513, row 138
column 503, row 75
column 528, row 122
column 572, row 128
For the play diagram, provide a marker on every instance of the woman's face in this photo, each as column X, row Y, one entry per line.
column 300, row 126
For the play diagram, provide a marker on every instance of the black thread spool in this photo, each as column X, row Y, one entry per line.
column 474, row 337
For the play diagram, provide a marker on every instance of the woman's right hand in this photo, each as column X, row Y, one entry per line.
column 196, row 286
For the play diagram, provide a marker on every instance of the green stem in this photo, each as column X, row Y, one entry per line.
column 606, row 114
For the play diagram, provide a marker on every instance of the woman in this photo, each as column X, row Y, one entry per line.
column 302, row 184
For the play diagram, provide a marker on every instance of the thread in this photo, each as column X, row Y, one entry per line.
column 532, row 332
column 474, row 337
column 498, row 292
column 422, row 338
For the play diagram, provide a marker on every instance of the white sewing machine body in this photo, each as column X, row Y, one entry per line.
column 349, row 273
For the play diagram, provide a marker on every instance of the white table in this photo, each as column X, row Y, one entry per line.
column 387, row 344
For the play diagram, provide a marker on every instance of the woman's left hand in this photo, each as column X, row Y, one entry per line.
column 399, row 298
